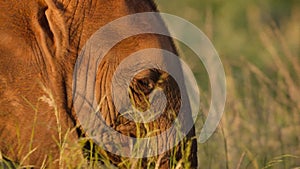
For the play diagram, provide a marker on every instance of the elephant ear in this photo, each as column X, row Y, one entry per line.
column 52, row 33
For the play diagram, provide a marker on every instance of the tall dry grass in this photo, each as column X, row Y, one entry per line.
column 259, row 45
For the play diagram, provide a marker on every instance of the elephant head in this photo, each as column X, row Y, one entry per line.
column 42, row 44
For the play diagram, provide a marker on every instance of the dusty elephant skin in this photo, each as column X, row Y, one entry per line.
column 39, row 44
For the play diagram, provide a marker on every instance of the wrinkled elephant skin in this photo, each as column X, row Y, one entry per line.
column 40, row 41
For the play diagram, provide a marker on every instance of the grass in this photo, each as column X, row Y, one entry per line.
column 258, row 43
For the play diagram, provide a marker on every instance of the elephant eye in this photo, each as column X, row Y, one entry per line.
column 145, row 81
column 146, row 85
column 141, row 87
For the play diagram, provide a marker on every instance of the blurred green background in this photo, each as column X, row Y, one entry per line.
column 258, row 43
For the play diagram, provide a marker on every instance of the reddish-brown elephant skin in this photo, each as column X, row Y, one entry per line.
column 40, row 41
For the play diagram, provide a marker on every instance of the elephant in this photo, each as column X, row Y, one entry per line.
column 40, row 42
